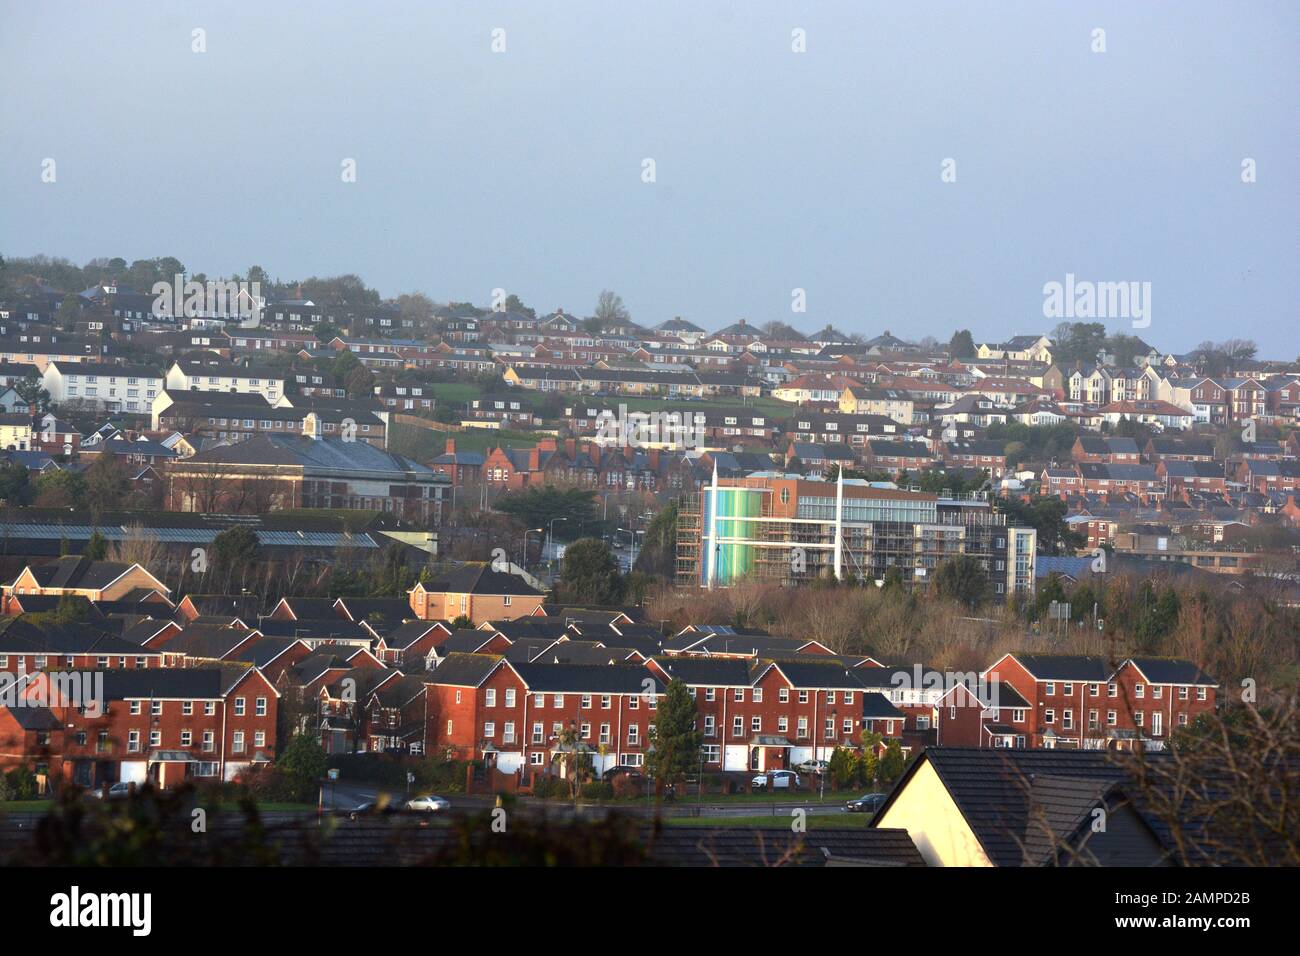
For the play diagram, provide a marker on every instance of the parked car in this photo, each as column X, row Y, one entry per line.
column 117, row 791
column 428, row 804
column 813, row 766
column 781, row 780
column 867, row 803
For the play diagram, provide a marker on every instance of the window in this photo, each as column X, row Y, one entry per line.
column 803, row 727
column 1112, row 718
column 1067, row 720
column 1157, row 691
column 449, row 726
column 1112, row 690
column 1139, row 691
column 586, row 701
column 508, row 732
column 155, row 738
column 1017, row 716
column 489, row 729
column 1200, row 693
column 585, row 731
column 1092, row 720
column 133, row 741
column 1050, row 688
column 535, row 759
column 259, row 707
column 830, row 697
column 539, row 700
column 557, row 700
column 737, row 726
column 1138, row 717
column 634, row 702
column 1094, row 690
column 633, row 735
column 135, row 707
column 187, row 738
column 209, row 708
column 782, row 725
column 1067, row 689
column 605, row 701
column 756, row 725
column 1182, row 693
column 239, row 707
column 510, row 697
column 1049, row 716
column 604, row 734
column 829, row 729
column 155, row 707
column 783, row 695
column 710, row 694
column 803, row 697
column 537, row 733
column 738, row 695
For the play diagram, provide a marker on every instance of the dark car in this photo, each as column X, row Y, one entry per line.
column 867, row 803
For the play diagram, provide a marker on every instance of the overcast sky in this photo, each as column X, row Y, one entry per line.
column 774, row 170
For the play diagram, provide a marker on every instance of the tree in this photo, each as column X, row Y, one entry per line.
column 106, row 483
column 96, row 547
column 15, row 487
column 658, row 554
column 962, row 345
column 962, row 578
column 536, row 507
column 360, row 383
column 304, row 759
column 68, row 314
column 610, row 310
column 60, row 489
column 590, row 573
column 235, row 549
column 892, row 763
column 32, row 391
column 674, row 736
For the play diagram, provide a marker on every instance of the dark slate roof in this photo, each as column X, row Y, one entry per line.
column 186, row 683
column 464, row 670
column 707, row 671
column 316, row 629
column 73, row 571
column 302, row 607
column 34, row 718
column 1065, row 667
column 587, row 679
column 407, row 633
column 772, row 846
column 467, row 640
column 995, row 792
column 481, row 579
column 393, row 610
column 264, row 651
column 19, row 636
column 876, row 706
column 206, row 641
column 1159, row 670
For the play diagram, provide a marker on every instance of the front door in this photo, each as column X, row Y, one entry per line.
column 1157, row 723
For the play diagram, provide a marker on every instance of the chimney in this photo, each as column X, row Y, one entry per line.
column 534, row 458
column 451, row 447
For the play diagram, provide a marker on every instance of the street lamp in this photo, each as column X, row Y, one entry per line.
column 524, row 563
column 550, row 533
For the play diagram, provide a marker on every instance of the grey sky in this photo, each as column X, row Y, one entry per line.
column 775, row 170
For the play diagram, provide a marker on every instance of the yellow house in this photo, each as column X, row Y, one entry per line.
column 968, row 806
column 477, row 592
column 16, row 432
column 93, row 580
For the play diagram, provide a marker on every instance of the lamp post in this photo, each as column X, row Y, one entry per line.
column 550, row 533
column 524, row 563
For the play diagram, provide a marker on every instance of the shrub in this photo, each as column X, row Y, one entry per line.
column 18, row 784
column 597, row 791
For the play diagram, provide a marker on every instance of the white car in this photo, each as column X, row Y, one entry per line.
column 813, row 766
column 781, row 780
column 428, row 804
column 117, row 791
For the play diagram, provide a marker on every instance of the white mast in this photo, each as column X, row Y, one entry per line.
column 712, row 531
column 839, row 524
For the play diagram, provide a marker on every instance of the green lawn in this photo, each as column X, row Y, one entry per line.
column 28, row 806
